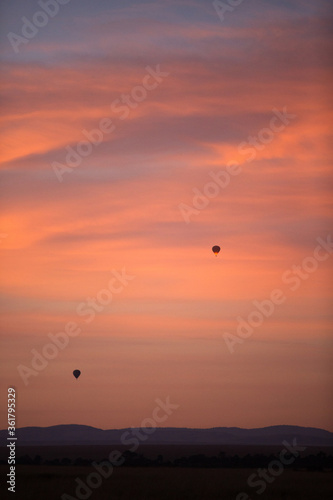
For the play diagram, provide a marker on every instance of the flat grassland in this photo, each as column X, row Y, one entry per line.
column 163, row 483
column 169, row 452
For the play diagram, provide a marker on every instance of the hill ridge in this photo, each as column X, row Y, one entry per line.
column 69, row 434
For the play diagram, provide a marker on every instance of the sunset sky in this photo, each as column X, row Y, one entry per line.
column 176, row 94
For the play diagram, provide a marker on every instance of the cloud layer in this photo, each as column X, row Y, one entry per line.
column 121, row 208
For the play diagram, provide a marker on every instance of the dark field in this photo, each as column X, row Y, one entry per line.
column 169, row 452
column 50, row 482
column 47, row 482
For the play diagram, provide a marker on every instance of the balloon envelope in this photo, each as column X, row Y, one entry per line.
column 216, row 249
column 76, row 373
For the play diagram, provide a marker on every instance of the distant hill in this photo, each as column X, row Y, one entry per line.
column 86, row 435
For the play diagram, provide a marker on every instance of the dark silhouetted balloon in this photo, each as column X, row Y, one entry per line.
column 216, row 249
column 76, row 373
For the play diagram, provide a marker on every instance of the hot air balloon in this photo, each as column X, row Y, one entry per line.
column 216, row 249
column 76, row 373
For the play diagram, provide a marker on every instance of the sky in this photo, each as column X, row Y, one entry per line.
column 135, row 136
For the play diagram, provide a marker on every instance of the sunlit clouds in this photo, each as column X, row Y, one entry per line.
column 118, row 208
